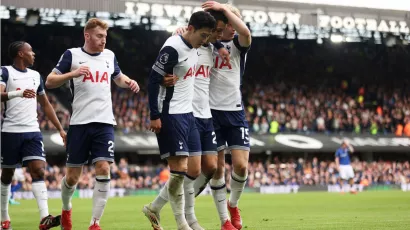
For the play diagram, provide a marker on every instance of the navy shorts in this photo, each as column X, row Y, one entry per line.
column 231, row 128
column 19, row 148
column 94, row 142
column 178, row 136
column 207, row 135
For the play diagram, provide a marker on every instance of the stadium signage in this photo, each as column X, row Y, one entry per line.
column 367, row 24
column 146, row 143
column 179, row 11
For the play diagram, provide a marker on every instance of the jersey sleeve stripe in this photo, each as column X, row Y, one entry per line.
column 158, row 70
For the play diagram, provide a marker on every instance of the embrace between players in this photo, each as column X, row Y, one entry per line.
column 196, row 113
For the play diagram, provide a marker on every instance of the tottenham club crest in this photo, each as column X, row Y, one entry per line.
column 164, row 58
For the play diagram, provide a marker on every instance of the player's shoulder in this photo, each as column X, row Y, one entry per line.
column 108, row 52
column 33, row 72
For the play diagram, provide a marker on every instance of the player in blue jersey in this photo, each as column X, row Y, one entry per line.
column 171, row 113
column 89, row 69
column 20, row 132
column 231, row 126
column 342, row 160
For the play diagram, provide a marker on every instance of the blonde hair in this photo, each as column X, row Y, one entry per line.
column 233, row 9
column 94, row 23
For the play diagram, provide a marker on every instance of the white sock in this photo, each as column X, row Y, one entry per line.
column 176, row 197
column 40, row 193
column 189, row 193
column 200, row 184
column 5, row 195
column 237, row 186
column 161, row 200
column 100, row 197
column 66, row 194
column 218, row 190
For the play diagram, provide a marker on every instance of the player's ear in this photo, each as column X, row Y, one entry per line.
column 191, row 28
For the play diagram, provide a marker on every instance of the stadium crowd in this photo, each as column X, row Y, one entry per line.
column 275, row 172
column 326, row 88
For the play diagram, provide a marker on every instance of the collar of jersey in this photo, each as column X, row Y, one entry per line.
column 20, row 70
column 95, row 54
column 186, row 42
column 226, row 40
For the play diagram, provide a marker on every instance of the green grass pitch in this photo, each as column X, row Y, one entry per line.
column 315, row 210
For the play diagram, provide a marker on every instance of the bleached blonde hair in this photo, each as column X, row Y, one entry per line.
column 233, row 9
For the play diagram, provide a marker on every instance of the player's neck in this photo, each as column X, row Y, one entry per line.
column 88, row 50
column 19, row 65
column 186, row 36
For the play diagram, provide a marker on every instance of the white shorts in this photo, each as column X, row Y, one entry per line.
column 346, row 172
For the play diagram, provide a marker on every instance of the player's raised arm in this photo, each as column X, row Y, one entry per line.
column 245, row 37
column 49, row 110
column 166, row 60
column 62, row 72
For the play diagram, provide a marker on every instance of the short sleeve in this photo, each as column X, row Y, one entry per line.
column 64, row 64
column 40, row 89
column 4, row 76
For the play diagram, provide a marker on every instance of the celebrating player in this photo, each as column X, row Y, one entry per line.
column 342, row 160
column 231, row 126
column 91, row 132
column 202, row 114
column 20, row 134
column 172, row 116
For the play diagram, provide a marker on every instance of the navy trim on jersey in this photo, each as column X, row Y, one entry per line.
column 41, row 87
column 242, row 65
column 20, row 70
column 94, row 54
column 218, row 45
column 165, row 63
column 240, row 48
column 117, row 69
column 72, row 90
column 64, row 65
column 186, row 42
column 168, row 96
column 4, row 74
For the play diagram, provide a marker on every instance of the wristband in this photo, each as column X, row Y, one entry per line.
column 14, row 94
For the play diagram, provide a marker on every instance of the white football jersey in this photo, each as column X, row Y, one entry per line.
column 91, row 94
column 202, row 81
column 20, row 114
column 176, row 57
column 226, row 78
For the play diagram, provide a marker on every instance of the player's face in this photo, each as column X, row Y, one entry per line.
column 27, row 54
column 217, row 32
column 199, row 37
column 228, row 33
column 96, row 39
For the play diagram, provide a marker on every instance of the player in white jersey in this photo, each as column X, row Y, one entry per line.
column 231, row 126
column 171, row 113
column 22, row 142
column 91, row 134
column 202, row 113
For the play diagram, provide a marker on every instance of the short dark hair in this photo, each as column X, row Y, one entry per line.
column 202, row 19
column 219, row 16
column 14, row 48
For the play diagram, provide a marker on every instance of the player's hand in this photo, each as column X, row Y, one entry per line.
column 82, row 71
column 169, row 80
column 180, row 30
column 155, row 125
column 212, row 5
column 133, row 85
column 224, row 53
column 29, row 93
column 63, row 135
